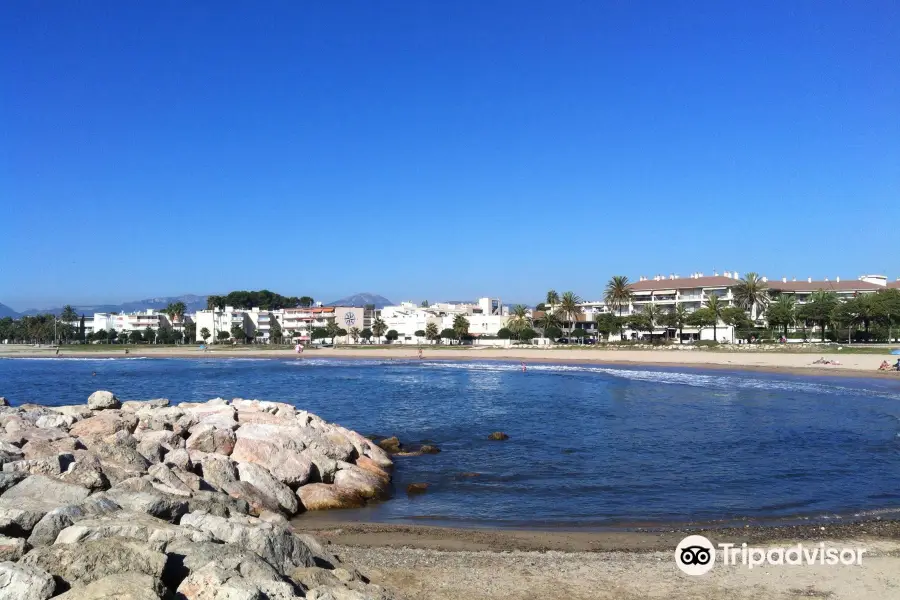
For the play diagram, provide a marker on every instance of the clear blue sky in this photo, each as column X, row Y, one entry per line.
column 441, row 149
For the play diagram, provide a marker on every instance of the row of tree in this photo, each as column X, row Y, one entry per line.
column 262, row 299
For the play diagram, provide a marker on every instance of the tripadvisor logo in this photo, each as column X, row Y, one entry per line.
column 696, row 555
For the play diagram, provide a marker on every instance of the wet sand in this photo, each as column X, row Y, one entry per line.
column 775, row 361
column 431, row 563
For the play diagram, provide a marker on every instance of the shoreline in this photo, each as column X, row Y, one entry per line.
column 655, row 539
column 852, row 365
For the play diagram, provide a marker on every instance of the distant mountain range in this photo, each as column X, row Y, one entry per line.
column 191, row 301
column 362, row 300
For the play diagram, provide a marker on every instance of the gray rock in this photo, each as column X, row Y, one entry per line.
column 23, row 582
column 47, row 529
column 79, row 411
column 86, row 470
column 234, row 564
column 101, row 400
column 80, row 564
column 255, row 498
column 164, row 475
column 47, row 465
column 41, row 448
column 179, row 458
column 155, row 503
column 121, row 586
column 209, row 439
column 7, row 480
column 131, row 525
column 28, row 501
column 276, row 545
column 217, row 503
column 59, row 420
column 136, row 405
column 268, row 485
column 218, row 470
column 286, row 465
column 4, row 401
column 11, row 549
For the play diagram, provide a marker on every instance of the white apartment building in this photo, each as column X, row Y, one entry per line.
column 218, row 320
column 486, row 317
column 129, row 321
column 299, row 323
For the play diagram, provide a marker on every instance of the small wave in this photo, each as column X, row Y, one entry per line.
column 73, row 358
column 719, row 381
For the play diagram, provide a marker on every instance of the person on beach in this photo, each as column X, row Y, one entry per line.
column 885, row 366
column 420, row 354
column 897, row 366
column 57, row 351
column 524, row 368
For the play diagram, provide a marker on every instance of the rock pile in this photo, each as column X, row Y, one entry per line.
column 142, row 500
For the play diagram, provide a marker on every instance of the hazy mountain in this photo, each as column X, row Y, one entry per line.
column 192, row 302
column 362, row 300
column 6, row 311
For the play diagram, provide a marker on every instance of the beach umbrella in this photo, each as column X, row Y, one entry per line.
column 896, row 351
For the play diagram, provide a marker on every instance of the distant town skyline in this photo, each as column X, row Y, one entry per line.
column 441, row 150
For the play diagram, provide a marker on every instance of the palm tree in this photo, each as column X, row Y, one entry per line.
column 782, row 312
column 714, row 306
column 617, row 294
column 378, row 328
column 548, row 319
column 752, row 294
column 354, row 333
column 334, row 330
column 431, row 332
column 460, row 327
column 552, row 298
column 518, row 319
column 569, row 308
column 68, row 314
column 679, row 320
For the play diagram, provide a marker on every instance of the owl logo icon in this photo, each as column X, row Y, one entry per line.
column 695, row 555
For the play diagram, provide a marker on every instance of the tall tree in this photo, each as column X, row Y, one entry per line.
column 354, row 334
column 204, row 334
column 461, row 327
column 819, row 308
column 715, row 306
column 552, row 298
column 569, row 308
column 305, row 301
column 334, row 330
column 700, row 318
column 431, row 332
column 378, row 328
column 68, row 314
column 548, row 320
column 215, row 302
column 190, row 332
column 782, row 312
column 617, row 294
column 237, row 332
column 752, row 294
column 652, row 314
column 518, row 318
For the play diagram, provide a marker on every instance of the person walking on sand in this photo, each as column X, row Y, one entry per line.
column 420, row 354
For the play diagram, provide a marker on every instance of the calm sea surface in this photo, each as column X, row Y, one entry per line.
column 590, row 445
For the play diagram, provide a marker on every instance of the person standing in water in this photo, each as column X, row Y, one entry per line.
column 524, row 368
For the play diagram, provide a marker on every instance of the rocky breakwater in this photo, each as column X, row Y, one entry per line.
column 145, row 501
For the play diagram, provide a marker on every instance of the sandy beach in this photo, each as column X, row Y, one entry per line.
column 849, row 364
column 429, row 563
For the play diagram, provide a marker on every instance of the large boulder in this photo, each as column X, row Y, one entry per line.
column 28, row 501
column 11, row 549
column 150, row 501
column 218, row 470
column 277, row 545
column 121, row 586
column 58, row 420
column 86, row 470
column 7, row 480
column 105, row 423
column 102, row 400
column 268, row 485
column 45, row 465
column 258, row 501
column 136, row 405
column 366, row 483
column 47, row 529
column 325, row 496
column 166, row 476
column 207, row 438
column 287, row 466
column 24, row 582
column 82, row 563
column 131, row 525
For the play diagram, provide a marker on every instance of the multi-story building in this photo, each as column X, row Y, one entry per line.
column 486, row 317
column 299, row 323
column 846, row 289
column 218, row 320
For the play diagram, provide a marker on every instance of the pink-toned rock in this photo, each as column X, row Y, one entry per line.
column 325, row 496
column 39, row 448
column 209, row 439
column 366, row 483
column 367, row 464
column 245, row 416
column 105, row 423
column 287, row 466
